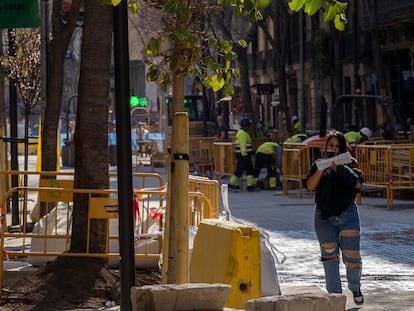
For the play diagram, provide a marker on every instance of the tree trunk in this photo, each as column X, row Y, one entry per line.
column 280, row 46
column 246, row 96
column 178, row 189
column 61, row 34
column 91, row 152
column 337, row 37
column 376, row 48
column 3, row 133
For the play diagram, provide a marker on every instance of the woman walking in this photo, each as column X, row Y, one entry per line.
column 337, row 222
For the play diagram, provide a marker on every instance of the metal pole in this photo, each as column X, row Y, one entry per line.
column 302, row 70
column 13, row 134
column 355, row 59
column 123, row 136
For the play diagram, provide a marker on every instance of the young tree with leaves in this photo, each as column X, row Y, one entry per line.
column 24, row 71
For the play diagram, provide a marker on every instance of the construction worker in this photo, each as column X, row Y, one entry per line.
column 268, row 155
column 296, row 138
column 354, row 138
column 297, row 125
column 244, row 152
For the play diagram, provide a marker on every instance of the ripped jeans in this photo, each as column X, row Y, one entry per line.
column 340, row 233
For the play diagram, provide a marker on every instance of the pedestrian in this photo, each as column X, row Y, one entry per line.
column 353, row 138
column 244, row 152
column 141, row 133
column 268, row 155
column 222, row 129
column 337, row 223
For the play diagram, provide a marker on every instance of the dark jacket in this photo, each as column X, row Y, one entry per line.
column 336, row 190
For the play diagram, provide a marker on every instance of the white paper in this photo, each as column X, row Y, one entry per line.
column 343, row 158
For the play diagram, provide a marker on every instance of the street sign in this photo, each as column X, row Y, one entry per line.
column 19, row 14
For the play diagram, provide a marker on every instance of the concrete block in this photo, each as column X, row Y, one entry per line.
column 228, row 253
column 180, row 297
column 303, row 298
column 141, row 297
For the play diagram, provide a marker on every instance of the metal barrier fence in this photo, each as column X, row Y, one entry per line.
column 224, row 159
column 50, row 235
column 388, row 167
column 201, row 154
column 297, row 159
column 211, row 189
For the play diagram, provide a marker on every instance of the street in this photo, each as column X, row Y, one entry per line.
column 387, row 244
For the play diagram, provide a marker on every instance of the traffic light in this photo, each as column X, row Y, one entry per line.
column 136, row 101
column 265, row 89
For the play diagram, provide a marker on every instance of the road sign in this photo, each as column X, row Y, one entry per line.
column 19, row 14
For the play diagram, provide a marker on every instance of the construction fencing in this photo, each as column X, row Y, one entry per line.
column 297, row 159
column 49, row 235
column 387, row 167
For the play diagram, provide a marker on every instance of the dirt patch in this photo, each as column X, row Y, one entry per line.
column 69, row 283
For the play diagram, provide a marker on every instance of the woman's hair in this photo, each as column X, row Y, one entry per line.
column 341, row 140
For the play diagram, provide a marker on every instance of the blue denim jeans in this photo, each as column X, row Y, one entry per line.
column 340, row 233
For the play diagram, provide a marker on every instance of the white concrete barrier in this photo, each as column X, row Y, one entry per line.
column 179, row 297
column 299, row 298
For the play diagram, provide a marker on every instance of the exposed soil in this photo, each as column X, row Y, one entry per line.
column 68, row 283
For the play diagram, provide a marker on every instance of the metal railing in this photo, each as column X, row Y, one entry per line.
column 50, row 235
column 388, row 167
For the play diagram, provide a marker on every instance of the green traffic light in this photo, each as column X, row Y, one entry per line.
column 136, row 101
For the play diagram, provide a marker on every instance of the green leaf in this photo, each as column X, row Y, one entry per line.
column 153, row 73
column 341, row 6
column 153, row 47
column 330, row 12
column 228, row 90
column 339, row 23
column 296, row 5
column 182, row 33
column 212, row 41
column 171, row 6
column 193, row 40
column 115, row 2
column 211, row 64
column 312, row 7
column 235, row 73
column 226, row 46
column 217, row 83
column 243, row 43
column 133, row 5
column 173, row 63
column 248, row 5
column 261, row 4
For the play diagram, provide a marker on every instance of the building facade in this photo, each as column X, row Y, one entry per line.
column 374, row 55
